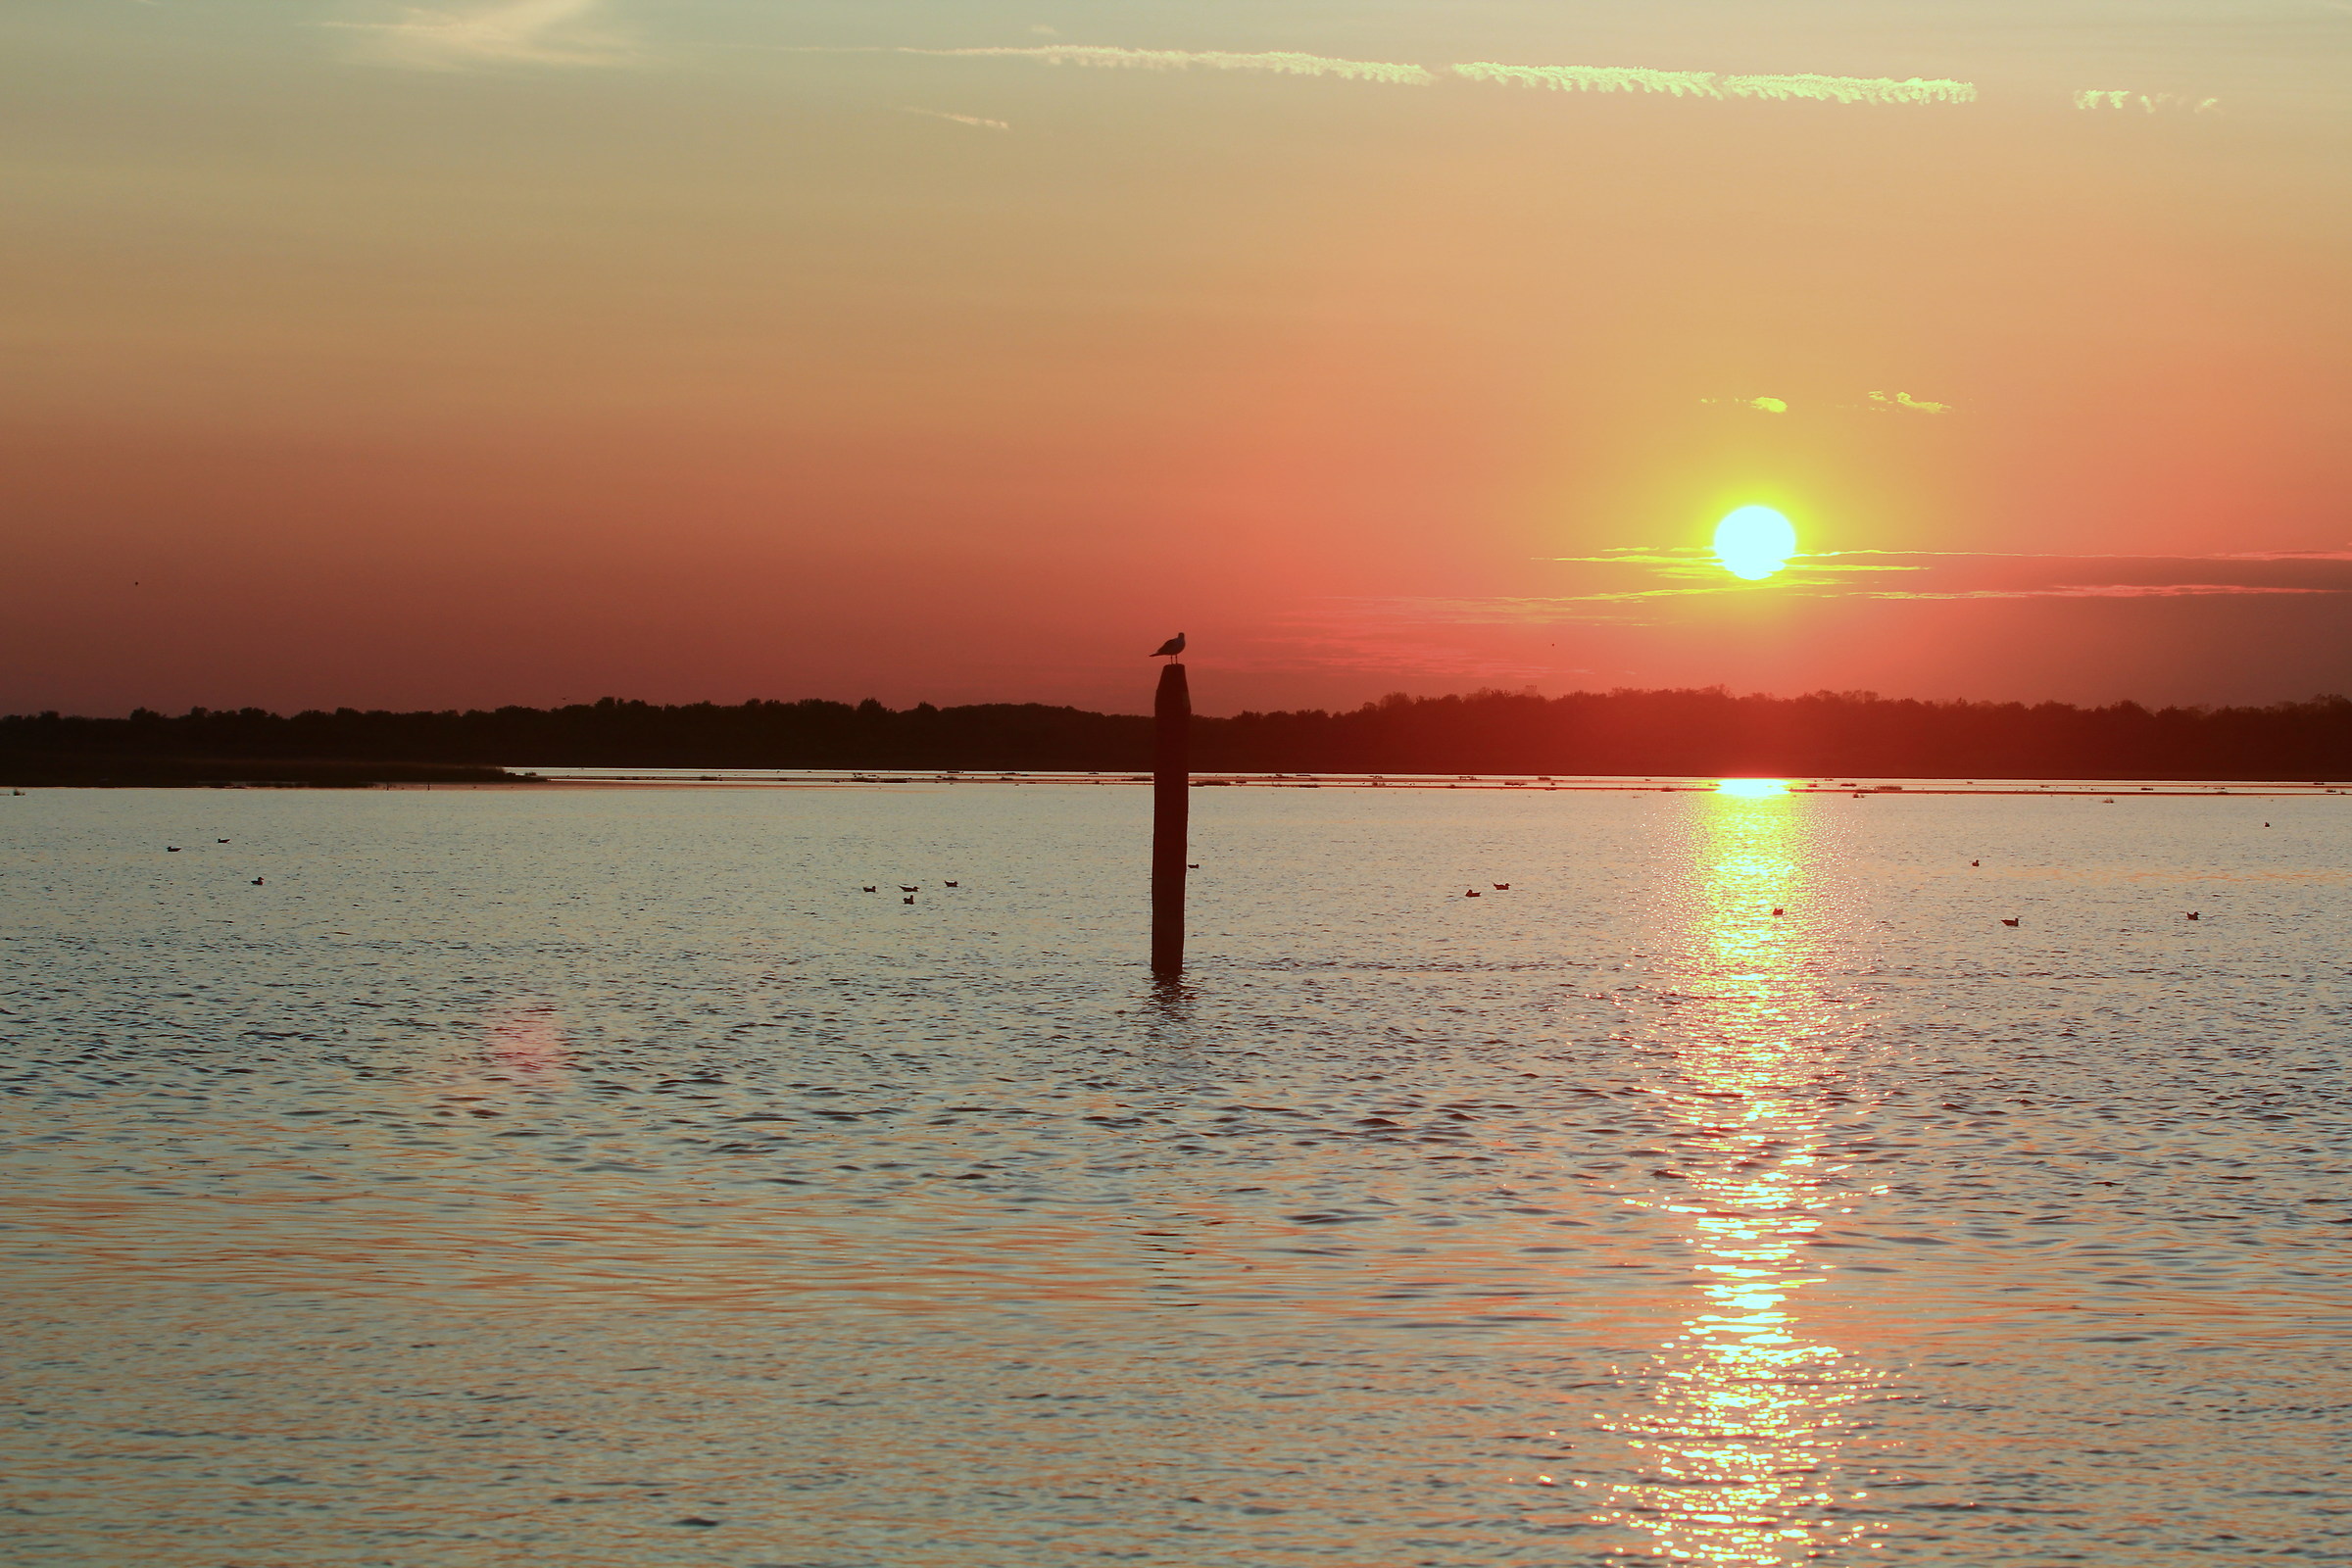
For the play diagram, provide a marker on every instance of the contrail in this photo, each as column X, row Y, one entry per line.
column 1280, row 62
column 1708, row 85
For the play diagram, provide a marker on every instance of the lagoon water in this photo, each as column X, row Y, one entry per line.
column 588, row 1176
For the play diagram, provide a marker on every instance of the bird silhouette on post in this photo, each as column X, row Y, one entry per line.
column 1170, row 649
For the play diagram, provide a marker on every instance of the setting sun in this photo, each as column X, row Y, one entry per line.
column 1755, row 542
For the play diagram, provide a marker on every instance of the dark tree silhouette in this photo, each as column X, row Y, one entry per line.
column 1706, row 732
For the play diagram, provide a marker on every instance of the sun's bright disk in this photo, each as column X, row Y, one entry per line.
column 1755, row 542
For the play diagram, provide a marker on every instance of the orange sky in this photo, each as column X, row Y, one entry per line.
column 401, row 356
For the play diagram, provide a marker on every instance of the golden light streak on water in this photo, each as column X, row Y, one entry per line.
column 1737, row 1426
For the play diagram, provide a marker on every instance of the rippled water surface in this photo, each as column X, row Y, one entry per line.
column 601, row 1176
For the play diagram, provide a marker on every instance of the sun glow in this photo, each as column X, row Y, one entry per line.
column 1751, row 787
column 1755, row 542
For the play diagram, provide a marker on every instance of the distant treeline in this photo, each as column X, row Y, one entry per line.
column 1638, row 732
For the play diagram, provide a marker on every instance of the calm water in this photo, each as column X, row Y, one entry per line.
column 599, row 1177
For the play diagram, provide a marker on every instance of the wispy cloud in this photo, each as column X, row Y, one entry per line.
column 1280, row 62
column 1904, row 400
column 1961, row 574
column 1692, row 561
column 1709, row 84
column 539, row 33
column 2105, row 590
column 961, row 119
column 2150, row 102
column 1760, row 405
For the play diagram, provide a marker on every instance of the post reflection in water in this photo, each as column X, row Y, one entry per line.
column 1736, row 1425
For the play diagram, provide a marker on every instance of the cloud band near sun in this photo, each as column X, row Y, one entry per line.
column 1681, row 572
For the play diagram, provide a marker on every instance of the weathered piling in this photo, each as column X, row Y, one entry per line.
column 1171, row 817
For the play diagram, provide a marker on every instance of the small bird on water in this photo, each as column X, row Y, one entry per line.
column 1500, row 887
column 1169, row 649
column 2192, row 914
column 869, row 890
column 904, row 888
column 951, row 884
column 908, row 898
column 2009, row 923
column 1471, row 894
column 257, row 881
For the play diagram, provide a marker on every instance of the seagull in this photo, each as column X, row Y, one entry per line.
column 951, row 884
column 257, row 881
column 1169, row 649
column 1976, row 862
column 1500, row 887
column 869, row 890
column 224, row 841
column 2009, row 923
column 904, row 888
column 2192, row 914
column 1472, row 893
column 908, row 898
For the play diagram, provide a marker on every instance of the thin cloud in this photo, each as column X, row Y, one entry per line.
column 1709, row 84
column 538, row 32
column 960, row 119
column 1280, row 62
column 1904, row 400
column 2107, row 589
column 2056, row 555
column 2106, row 98
column 1760, row 405
column 1684, row 562
column 1995, row 574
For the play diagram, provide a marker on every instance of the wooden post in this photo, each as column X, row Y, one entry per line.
column 1171, row 813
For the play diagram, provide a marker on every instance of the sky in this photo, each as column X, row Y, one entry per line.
column 530, row 351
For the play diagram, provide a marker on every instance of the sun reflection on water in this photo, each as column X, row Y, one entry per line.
column 1736, row 1425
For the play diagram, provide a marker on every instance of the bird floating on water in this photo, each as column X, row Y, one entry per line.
column 2192, row 914
column 951, row 884
column 1169, row 649
column 1471, row 892
column 170, row 849
column 1976, row 862
column 2009, row 923
column 904, row 888
column 224, row 841
column 1776, row 909
column 869, row 890
column 1501, row 887
column 908, row 898
column 257, row 881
